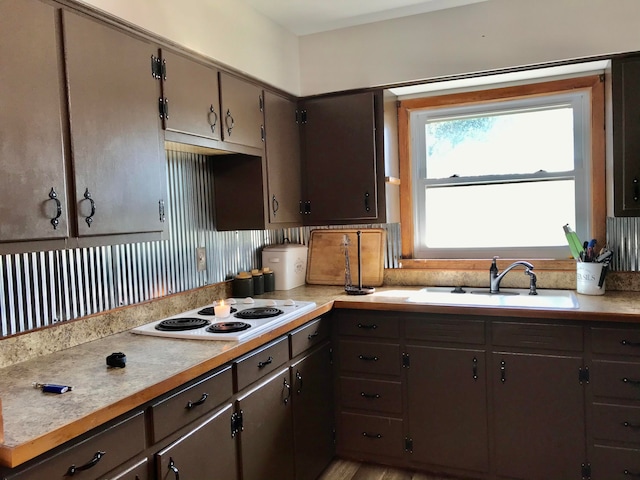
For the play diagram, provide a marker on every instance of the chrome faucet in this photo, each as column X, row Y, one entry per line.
column 495, row 278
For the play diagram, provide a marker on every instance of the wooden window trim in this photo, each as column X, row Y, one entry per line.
column 592, row 84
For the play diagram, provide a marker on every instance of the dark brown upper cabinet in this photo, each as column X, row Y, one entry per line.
column 343, row 159
column 242, row 106
column 118, row 160
column 33, row 196
column 626, row 135
column 282, row 143
column 190, row 97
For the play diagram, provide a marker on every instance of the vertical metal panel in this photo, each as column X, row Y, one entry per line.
column 623, row 238
column 39, row 289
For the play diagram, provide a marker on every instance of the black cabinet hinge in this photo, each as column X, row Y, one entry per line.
column 158, row 68
column 302, row 117
column 236, row 423
column 406, row 360
column 586, row 471
column 163, row 108
column 408, row 444
column 583, row 375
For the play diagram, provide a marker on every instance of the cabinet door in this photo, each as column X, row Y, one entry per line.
column 115, row 131
column 282, row 143
column 447, row 407
column 538, row 416
column 208, row 451
column 266, row 440
column 241, row 106
column 626, row 136
column 190, row 90
column 32, row 163
column 340, row 163
column 313, row 413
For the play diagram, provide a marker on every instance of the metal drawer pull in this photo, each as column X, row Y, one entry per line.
column 475, row 368
column 629, row 343
column 265, row 363
column 372, row 435
column 87, row 196
column 635, row 383
column 368, row 359
column 229, row 122
column 54, row 196
column 213, row 118
column 92, row 463
column 190, row 404
column 372, row 326
column 633, row 426
column 173, row 468
column 632, row 474
column 503, row 371
column 313, row 335
column 288, row 387
column 299, row 379
column 370, row 395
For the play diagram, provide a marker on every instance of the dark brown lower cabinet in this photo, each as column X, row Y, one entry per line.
column 266, row 440
column 313, row 413
column 447, row 407
column 614, row 463
column 138, row 471
column 538, row 416
column 207, row 451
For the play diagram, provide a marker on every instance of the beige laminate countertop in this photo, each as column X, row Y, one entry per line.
column 35, row 422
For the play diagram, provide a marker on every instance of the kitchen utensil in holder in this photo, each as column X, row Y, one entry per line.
column 348, row 287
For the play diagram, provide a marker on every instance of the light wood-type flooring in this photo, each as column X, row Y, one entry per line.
column 350, row 470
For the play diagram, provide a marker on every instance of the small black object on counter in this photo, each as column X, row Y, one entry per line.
column 117, row 360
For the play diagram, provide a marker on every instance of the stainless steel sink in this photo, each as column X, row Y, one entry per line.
column 508, row 297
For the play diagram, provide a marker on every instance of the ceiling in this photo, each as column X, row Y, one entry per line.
column 303, row 17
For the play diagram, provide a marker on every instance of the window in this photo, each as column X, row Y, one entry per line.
column 499, row 172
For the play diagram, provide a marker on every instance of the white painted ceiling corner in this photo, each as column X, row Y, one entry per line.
column 305, row 17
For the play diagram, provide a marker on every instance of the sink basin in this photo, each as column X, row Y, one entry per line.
column 508, row 297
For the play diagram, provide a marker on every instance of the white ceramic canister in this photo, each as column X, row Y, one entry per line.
column 588, row 277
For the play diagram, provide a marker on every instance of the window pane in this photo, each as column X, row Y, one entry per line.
column 502, row 143
column 499, row 215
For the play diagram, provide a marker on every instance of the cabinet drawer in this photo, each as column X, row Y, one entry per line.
column 370, row 435
column 309, row 335
column 139, row 471
column 444, row 328
column 373, row 395
column 616, row 379
column 616, row 341
column 615, row 463
column 186, row 405
column 538, row 336
column 367, row 324
column 374, row 358
column 105, row 450
column 616, row 423
column 260, row 362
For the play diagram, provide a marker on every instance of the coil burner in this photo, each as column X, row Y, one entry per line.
column 259, row 312
column 208, row 311
column 228, row 327
column 181, row 324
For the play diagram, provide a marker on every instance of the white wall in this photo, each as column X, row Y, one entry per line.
column 483, row 36
column 227, row 31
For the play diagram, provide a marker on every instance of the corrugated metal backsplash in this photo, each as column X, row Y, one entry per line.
column 39, row 289
column 623, row 238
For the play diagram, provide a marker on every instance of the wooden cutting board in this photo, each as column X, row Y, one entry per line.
column 326, row 260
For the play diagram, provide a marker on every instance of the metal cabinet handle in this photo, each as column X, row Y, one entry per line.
column 633, row 426
column 313, row 335
column 372, row 435
column 373, row 396
column 629, row 343
column 367, row 207
column 631, row 381
column 229, row 122
column 87, row 196
column 299, row 380
column 265, row 363
column 503, row 371
column 92, row 463
column 367, row 358
column 54, row 196
column 475, row 368
column 174, row 469
column 275, row 206
column 631, row 474
column 365, row 326
column 214, row 115
column 286, row 386
column 636, row 190
column 203, row 398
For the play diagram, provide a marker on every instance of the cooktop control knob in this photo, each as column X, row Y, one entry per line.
column 248, row 301
column 289, row 303
column 270, row 303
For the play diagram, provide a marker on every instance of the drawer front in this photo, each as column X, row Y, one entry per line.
column 616, row 423
column 371, row 435
column 185, row 406
column 97, row 455
column 373, row 395
column 373, row 358
column 445, row 328
column 616, row 379
column 616, row 341
column 309, row 335
column 260, row 362
column 538, row 336
column 367, row 324
column 139, row 471
column 615, row 463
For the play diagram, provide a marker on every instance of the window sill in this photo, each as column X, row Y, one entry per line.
column 484, row 264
